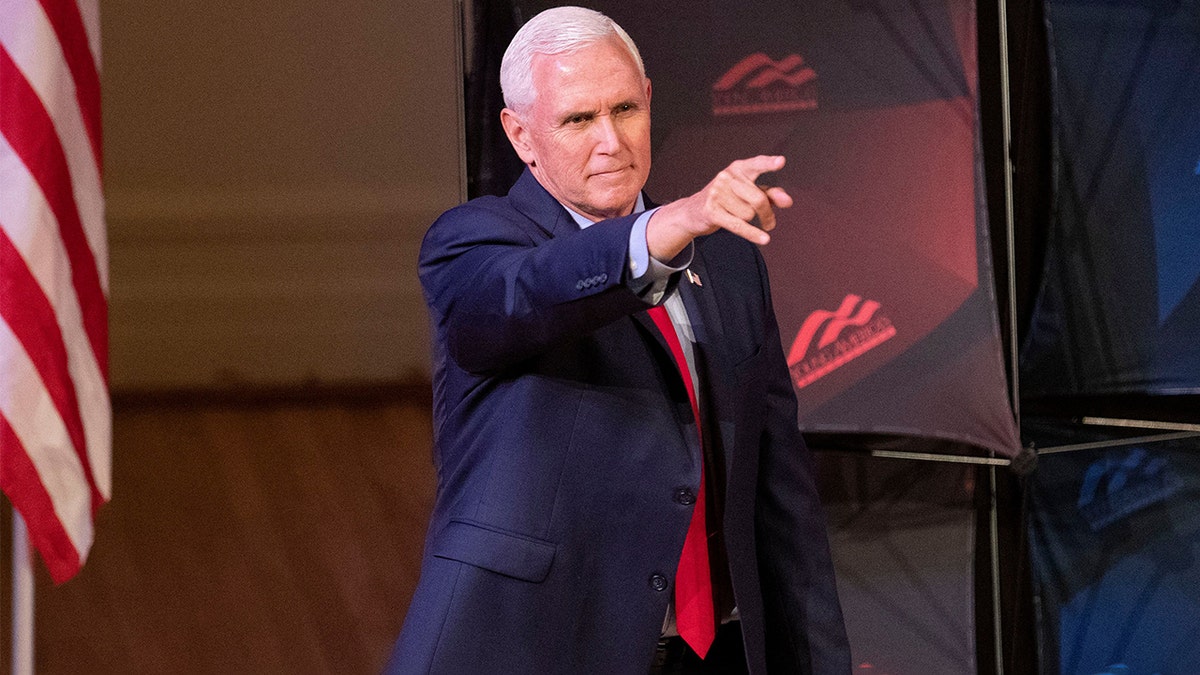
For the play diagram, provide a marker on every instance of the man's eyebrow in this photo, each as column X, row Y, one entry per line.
column 587, row 114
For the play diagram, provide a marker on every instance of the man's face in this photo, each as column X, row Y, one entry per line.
column 586, row 136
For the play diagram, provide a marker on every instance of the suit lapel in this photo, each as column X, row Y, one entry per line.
column 697, row 299
column 712, row 366
column 647, row 324
column 703, row 315
column 531, row 199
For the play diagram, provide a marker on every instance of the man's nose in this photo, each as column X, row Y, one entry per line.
column 608, row 134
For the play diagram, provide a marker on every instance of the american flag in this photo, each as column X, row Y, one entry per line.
column 55, row 416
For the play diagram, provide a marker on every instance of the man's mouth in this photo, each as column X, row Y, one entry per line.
column 611, row 172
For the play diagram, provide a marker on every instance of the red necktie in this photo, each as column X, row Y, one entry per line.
column 694, row 614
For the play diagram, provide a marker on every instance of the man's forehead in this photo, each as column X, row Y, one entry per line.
column 586, row 73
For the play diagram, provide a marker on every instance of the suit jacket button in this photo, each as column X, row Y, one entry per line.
column 685, row 496
column 658, row 582
column 579, row 285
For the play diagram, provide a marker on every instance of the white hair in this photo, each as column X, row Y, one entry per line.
column 555, row 31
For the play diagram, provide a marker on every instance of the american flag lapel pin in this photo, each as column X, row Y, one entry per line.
column 693, row 277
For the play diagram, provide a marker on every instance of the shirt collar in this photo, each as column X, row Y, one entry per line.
column 584, row 222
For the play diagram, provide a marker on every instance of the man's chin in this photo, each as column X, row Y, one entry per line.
column 616, row 208
column 618, row 202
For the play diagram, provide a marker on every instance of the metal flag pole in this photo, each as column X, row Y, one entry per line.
column 1010, row 230
column 1120, row 442
column 1140, row 424
column 22, row 600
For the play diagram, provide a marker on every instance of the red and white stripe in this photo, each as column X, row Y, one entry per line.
column 55, row 416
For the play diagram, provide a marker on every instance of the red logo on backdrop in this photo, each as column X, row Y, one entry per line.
column 759, row 84
column 829, row 340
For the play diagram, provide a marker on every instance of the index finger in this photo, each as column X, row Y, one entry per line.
column 753, row 167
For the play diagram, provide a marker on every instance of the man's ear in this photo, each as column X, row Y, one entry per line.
column 518, row 135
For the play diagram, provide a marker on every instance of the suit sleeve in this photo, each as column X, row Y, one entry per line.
column 500, row 290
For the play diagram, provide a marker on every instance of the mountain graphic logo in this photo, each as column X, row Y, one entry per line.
column 829, row 340
column 759, row 84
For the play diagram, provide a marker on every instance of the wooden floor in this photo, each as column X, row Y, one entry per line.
column 247, row 538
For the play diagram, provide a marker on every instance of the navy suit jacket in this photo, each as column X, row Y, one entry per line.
column 564, row 440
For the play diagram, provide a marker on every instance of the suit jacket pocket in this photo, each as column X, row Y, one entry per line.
column 506, row 553
column 743, row 359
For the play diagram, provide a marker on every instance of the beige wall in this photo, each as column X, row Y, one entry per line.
column 270, row 168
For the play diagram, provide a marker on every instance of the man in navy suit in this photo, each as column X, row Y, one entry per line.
column 592, row 452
